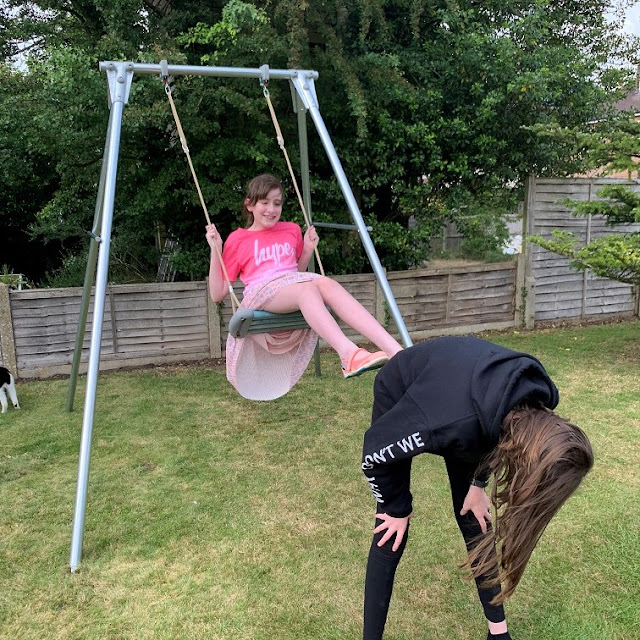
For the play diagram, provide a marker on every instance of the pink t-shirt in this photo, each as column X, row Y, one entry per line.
column 261, row 256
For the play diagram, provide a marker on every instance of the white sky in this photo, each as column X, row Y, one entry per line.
column 632, row 19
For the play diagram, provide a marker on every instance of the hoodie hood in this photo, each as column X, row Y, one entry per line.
column 522, row 378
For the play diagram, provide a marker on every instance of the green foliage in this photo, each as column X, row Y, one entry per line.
column 482, row 222
column 428, row 105
column 614, row 256
column 14, row 280
column 398, row 247
column 484, row 246
column 238, row 19
column 619, row 205
column 28, row 178
column 608, row 146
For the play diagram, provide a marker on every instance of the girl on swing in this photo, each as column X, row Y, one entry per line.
column 271, row 256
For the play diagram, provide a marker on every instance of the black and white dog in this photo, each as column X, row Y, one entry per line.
column 7, row 385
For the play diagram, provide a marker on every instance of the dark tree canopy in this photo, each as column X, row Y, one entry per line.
column 437, row 108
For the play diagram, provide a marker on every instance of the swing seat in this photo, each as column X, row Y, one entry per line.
column 248, row 321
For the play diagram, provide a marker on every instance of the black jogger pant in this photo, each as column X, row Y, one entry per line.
column 382, row 563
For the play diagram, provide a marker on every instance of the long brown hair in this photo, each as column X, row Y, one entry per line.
column 539, row 462
column 258, row 189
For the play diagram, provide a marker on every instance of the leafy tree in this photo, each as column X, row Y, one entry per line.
column 432, row 106
column 28, row 178
column 425, row 138
column 58, row 103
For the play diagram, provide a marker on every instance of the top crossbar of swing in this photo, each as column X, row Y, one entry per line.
column 221, row 72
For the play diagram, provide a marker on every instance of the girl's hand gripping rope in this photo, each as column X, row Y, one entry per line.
column 213, row 237
column 311, row 238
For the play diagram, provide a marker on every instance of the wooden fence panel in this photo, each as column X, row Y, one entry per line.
column 432, row 299
column 155, row 322
column 171, row 322
column 364, row 288
column 45, row 327
column 607, row 297
column 142, row 324
column 437, row 299
column 561, row 293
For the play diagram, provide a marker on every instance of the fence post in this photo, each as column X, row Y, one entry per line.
column 112, row 316
column 6, row 331
column 379, row 308
column 528, row 229
column 520, row 302
column 585, row 273
column 447, row 308
column 530, row 305
column 215, row 332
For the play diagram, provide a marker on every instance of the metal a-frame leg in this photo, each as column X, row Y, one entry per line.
column 304, row 85
column 89, row 278
column 119, row 76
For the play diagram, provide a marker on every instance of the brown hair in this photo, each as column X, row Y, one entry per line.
column 539, row 462
column 257, row 189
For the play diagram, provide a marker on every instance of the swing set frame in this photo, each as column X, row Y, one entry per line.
column 119, row 77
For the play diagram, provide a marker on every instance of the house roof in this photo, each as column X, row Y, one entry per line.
column 630, row 103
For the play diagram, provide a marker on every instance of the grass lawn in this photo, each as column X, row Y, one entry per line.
column 213, row 517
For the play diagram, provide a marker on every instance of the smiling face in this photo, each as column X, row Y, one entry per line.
column 266, row 211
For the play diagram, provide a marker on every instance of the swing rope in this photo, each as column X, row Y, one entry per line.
column 280, row 139
column 235, row 303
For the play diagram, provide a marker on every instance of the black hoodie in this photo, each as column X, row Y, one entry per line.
column 446, row 396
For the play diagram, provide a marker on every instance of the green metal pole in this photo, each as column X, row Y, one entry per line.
column 89, row 277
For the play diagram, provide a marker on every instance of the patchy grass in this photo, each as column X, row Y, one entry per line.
column 213, row 517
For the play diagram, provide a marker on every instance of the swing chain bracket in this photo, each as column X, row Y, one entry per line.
column 264, row 79
column 164, row 75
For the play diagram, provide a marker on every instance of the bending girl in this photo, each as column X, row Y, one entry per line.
column 270, row 257
column 487, row 411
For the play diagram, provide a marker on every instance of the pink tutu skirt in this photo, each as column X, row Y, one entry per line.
column 265, row 366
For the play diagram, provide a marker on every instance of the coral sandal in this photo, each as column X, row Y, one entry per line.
column 361, row 360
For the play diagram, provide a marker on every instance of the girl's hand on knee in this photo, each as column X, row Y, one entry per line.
column 477, row 501
column 393, row 526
